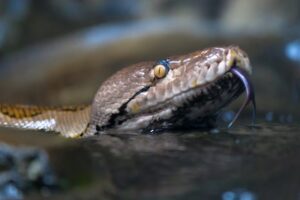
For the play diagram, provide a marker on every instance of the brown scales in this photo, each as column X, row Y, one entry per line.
column 21, row 111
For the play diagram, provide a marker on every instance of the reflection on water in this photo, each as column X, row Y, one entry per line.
column 269, row 116
column 238, row 194
column 228, row 116
column 281, row 118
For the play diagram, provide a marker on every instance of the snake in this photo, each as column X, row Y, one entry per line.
column 178, row 92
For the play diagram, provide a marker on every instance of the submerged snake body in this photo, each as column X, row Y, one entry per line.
column 179, row 91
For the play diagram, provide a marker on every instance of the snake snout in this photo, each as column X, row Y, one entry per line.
column 236, row 57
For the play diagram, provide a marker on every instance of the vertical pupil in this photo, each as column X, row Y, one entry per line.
column 161, row 68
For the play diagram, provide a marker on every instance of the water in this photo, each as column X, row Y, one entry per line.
column 242, row 163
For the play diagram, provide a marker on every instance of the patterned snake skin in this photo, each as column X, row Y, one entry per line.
column 174, row 92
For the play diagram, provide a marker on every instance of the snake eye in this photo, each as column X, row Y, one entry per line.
column 161, row 69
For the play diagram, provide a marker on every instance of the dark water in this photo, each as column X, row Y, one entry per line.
column 245, row 162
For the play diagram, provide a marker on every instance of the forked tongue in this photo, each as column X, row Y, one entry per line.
column 250, row 96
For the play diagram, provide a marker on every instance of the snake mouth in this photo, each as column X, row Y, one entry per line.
column 243, row 76
column 221, row 92
column 190, row 94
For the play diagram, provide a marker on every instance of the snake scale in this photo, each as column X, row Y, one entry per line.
column 185, row 91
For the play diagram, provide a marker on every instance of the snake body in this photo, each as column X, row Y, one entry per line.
column 69, row 121
column 179, row 91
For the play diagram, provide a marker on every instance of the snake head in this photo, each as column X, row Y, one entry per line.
column 179, row 91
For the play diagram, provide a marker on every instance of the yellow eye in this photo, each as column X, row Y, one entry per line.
column 160, row 70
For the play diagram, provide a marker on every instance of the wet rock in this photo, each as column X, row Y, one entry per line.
column 24, row 170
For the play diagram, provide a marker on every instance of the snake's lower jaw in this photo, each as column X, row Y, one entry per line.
column 250, row 95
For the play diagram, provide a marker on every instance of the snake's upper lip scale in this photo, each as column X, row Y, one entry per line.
column 250, row 95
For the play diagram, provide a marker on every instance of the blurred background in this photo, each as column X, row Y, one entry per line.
column 57, row 52
column 60, row 51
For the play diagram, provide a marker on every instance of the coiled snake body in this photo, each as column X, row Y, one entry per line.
column 180, row 91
